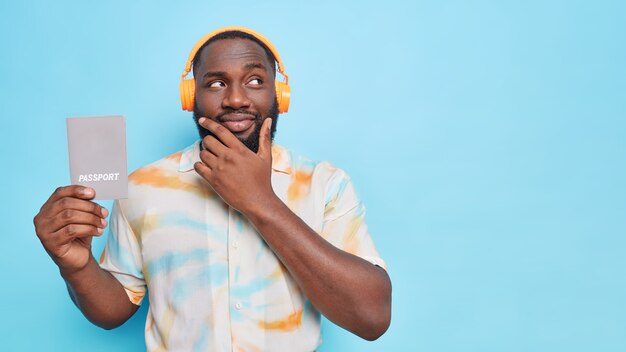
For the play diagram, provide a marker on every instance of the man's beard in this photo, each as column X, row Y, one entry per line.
column 252, row 141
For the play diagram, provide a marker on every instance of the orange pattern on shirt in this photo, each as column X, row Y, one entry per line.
column 155, row 177
column 291, row 322
column 300, row 185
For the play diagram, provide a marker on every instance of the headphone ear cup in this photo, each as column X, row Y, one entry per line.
column 187, row 93
column 283, row 95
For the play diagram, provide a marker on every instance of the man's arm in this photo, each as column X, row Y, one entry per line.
column 66, row 225
column 348, row 290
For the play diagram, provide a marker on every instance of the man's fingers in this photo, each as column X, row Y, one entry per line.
column 202, row 170
column 213, row 145
column 265, row 140
column 78, row 204
column 76, row 217
column 208, row 158
column 220, row 131
column 59, row 212
column 76, row 191
column 72, row 231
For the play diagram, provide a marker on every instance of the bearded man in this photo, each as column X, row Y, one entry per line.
column 240, row 244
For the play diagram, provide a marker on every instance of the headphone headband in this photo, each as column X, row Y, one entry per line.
column 257, row 35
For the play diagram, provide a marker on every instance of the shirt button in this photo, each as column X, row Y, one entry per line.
column 235, row 244
column 238, row 305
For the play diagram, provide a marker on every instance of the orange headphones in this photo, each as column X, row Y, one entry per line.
column 188, row 86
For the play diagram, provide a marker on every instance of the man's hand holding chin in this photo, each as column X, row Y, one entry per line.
column 239, row 176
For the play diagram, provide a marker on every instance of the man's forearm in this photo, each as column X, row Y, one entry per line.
column 99, row 296
column 348, row 290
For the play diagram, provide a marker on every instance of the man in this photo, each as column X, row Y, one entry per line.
column 240, row 244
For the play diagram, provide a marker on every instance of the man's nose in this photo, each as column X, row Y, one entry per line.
column 235, row 98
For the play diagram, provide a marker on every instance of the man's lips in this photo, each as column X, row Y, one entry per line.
column 237, row 123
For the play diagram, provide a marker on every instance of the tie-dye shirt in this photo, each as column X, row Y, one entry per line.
column 213, row 282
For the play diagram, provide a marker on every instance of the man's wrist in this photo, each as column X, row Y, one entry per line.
column 74, row 274
column 262, row 210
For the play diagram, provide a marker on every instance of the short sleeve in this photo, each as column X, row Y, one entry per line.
column 344, row 220
column 122, row 255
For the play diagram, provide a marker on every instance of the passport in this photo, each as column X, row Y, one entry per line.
column 97, row 152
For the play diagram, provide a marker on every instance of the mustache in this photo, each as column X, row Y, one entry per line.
column 228, row 111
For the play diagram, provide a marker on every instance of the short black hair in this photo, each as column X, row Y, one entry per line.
column 233, row 35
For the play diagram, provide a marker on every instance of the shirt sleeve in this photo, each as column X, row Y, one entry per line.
column 122, row 255
column 344, row 220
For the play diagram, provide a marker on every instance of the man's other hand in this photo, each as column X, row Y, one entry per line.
column 66, row 224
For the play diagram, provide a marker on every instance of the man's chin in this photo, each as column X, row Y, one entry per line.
column 245, row 135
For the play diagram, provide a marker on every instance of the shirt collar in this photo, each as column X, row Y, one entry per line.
column 281, row 158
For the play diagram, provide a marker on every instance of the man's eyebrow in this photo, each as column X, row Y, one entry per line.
column 254, row 65
column 249, row 66
column 214, row 74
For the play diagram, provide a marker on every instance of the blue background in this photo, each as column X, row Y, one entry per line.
column 487, row 138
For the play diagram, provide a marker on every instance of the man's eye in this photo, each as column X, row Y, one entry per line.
column 255, row 82
column 216, row 84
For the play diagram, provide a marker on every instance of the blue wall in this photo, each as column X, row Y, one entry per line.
column 488, row 141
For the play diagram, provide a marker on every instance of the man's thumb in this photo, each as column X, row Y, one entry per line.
column 265, row 140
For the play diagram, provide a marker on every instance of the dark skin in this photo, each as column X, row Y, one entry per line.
column 235, row 75
column 66, row 225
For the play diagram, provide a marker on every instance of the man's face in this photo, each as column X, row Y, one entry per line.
column 235, row 87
